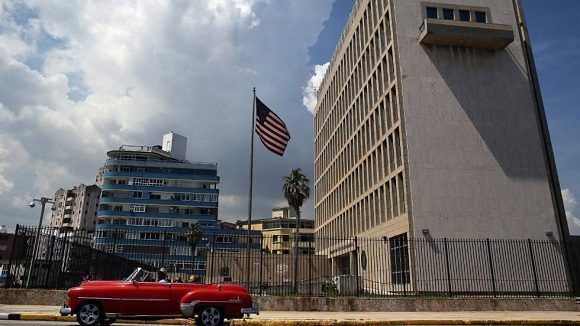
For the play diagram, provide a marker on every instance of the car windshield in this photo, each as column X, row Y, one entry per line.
column 139, row 275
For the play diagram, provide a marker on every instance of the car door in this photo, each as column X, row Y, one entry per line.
column 146, row 299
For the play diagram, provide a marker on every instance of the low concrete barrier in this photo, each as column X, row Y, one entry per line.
column 275, row 303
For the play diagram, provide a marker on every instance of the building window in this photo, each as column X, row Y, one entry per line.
column 137, row 194
column 139, row 208
column 399, row 259
column 480, row 17
column 464, row 15
column 432, row 12
column 447, row 14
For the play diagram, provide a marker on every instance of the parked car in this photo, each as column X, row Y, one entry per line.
column 140, row 297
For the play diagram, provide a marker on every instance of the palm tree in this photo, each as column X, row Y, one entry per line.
column 296, row 191
column 194, row 234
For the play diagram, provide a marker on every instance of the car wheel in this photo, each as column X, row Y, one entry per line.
column 89, row 314
column 210, row 316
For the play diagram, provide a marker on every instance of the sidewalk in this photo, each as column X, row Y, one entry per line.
column 351, row 318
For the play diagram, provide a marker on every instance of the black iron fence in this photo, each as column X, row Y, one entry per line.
column 382, row 266
column 52, row 259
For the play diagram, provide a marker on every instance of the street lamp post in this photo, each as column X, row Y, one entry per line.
column 43, row 201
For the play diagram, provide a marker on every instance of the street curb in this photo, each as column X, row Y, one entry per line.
column 381, row 322
column 52, row 317
column 313, row 322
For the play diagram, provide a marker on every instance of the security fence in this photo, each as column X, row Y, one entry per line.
column 395, row 266
column 52, row 259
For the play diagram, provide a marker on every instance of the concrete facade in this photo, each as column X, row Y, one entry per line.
column 428, row 126
column 76, row 208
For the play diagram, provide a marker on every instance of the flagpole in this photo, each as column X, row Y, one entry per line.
column 250, row 191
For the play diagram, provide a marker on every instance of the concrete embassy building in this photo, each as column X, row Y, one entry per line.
column 76, row 208
column 429, row 124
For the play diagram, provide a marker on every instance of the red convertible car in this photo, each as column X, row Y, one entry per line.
column 102, row 302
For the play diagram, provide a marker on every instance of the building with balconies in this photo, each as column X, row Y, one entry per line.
column 76, row 208
column 150, row 196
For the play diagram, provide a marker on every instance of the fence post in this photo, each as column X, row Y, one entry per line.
column 447, row 264
column 310, row 248
column 534, row 267
column 261, row 261
column 62, row 262
column 491, row 270
column 115, row 235
column 356, row 265
column 50, row 267
column 212, row 252
column 9, row 273
column 163, row 249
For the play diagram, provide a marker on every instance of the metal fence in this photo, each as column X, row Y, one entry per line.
column 383, row 266
column 52, row 259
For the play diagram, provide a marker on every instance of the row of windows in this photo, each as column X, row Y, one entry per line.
column 210, row 198
column 350, row 77
column 383, row 161
column 457, row 14
column 363, row 32
column 147, row 182
column 140, row 208
column 286, row 225
column 351, row 117
column 380, row 122
column 287, row 238
column 383, row 204
column 162, row 183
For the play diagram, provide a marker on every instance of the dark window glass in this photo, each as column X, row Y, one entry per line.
column 399, row 259
column 464, row 15
column 432, row 12
column 448, row 14
column 480, row 17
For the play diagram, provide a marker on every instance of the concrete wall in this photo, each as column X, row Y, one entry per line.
column 476, row 162
column 273, row 303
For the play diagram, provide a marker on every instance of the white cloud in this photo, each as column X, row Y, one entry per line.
column 570, row 204
column 145, row 68
column 309, row 92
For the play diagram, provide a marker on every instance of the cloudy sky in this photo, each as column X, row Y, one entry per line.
column 78, row 78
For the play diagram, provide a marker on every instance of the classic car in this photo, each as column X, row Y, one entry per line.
column 140, row 297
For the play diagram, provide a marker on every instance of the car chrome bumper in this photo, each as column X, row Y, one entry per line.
column 250, row 311
column 65, row 311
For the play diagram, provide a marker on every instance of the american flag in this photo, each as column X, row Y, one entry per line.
column 271, row 129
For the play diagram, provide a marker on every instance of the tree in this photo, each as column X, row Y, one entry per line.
column 194, row 234
column 296, row 191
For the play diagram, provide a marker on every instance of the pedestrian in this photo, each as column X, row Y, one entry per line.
column 162, row 275
column 194, row 279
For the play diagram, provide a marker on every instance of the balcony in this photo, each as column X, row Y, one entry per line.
column 159, row 202
column 155, row 189
column 109, row 213
column 163, row 164
column 170, row 176
column 466, row 34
